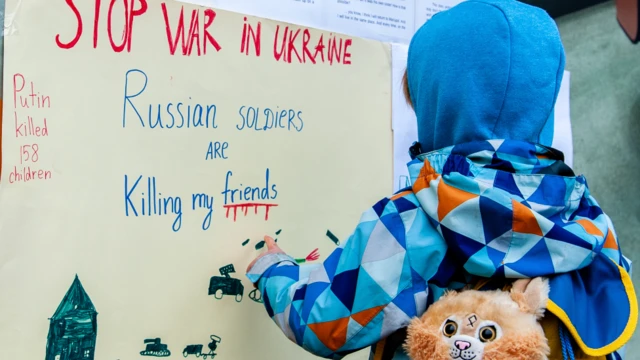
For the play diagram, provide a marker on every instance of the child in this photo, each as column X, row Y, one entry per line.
column 490, row 201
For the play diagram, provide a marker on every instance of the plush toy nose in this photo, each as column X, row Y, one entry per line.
column 462, row 345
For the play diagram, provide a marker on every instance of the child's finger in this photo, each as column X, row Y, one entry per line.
column 271, row 244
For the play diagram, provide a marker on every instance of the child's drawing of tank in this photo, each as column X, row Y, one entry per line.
column 155, row 348
column 225, row 284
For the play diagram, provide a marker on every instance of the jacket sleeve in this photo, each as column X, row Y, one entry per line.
column 365, row 290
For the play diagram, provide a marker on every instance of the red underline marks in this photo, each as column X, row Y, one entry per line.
column 245, row 207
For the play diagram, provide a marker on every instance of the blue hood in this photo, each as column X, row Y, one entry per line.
column 485, row 69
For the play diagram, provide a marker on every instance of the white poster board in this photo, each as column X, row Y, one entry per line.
column 149, row 210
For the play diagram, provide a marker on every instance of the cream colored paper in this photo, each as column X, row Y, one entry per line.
column 146, row 280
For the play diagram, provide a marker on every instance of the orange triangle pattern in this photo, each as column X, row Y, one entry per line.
column 524, row 221
column 363, row 317
column 450, row 198
column 427, row 174
column 610, row 242
column 590, row 227
column 401, row 194
column 333, row 334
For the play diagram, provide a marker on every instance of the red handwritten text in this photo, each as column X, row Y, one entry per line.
column 26, row 174
column 129, row 14
column 27, row 102
column 193, row 36
column 250, row 35
column 291, row 44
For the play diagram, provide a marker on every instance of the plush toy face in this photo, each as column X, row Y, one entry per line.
column 483, row 325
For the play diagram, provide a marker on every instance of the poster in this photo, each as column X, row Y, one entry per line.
column 384, row 20
column 147, row 150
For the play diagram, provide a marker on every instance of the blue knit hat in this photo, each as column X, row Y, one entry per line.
column 485, row 69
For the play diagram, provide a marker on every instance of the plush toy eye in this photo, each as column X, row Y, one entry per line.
column 488, row 333
column 450, row 328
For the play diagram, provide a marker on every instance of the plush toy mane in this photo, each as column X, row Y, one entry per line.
column 483, row 325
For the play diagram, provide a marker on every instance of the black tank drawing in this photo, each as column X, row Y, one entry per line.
column 155, row 348
column 226, row 285
column 197, row 349
column 73, row 327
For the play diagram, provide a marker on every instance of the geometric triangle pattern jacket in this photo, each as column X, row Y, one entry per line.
column 498, row 209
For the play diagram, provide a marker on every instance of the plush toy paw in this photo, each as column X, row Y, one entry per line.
column 483, row 325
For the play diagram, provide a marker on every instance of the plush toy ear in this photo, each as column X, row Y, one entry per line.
column 531, row 295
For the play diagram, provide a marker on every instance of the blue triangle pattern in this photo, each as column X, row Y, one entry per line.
column 432, row 221
column 494, row 218
column 535, row 262
column 551, row 191
column 560, row 234
column 380, row 205
column 406, row 301
column 587, row 211
column 312, row 293
column 331, row 263
column 300, row 293
column 504, row 181
column 376, row 295
column 296, row 326
column 291, row 272
column 342, row 287
column 462, row 246
column 456, row 164
column 502, row 165
column 446, row 271
column 403, row 205
column 395, row 227
column 495, row 256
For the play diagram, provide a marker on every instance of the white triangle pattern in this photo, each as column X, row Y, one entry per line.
column 394, row 318
column 319, row 275
column 386, row 273
column 502, row 242
column 566, row 257
column 496, row 144
column 527, row 185
column 353, row 328
column 369, row 215
column 521, row 244
column 381, row 244
column 428, row 199
column 408, row 217
column 466, row 220
column 512, row 274
column 282, row 319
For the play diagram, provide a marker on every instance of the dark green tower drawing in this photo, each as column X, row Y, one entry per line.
column 73, row 327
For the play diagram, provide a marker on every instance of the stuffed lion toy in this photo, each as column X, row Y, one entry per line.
column 483, row 325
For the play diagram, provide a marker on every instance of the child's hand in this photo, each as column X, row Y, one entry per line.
column 272, row 248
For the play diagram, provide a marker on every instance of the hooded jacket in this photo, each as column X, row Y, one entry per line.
column 488, row 199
